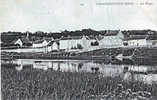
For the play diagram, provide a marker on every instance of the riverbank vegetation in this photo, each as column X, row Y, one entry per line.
column 37, row 84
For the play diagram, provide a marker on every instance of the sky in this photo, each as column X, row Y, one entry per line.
column 60, row 15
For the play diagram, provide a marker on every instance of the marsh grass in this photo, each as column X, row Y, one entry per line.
column 36, row 84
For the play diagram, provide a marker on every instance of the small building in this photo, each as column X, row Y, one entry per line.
column 152, row 40
column 112, row 39
column 22, row 42
column 136, row 40
column 39, row 43
column 53, row 46
column 42, row 43
column 78, row 43
column 19, row 42
column 73, row 43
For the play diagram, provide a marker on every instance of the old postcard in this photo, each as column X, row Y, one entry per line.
column 78, row 49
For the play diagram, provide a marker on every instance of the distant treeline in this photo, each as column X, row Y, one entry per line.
column 9, row 36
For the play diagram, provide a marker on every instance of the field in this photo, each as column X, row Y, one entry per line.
column 36, row 84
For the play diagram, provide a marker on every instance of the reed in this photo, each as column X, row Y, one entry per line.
column 36, row 84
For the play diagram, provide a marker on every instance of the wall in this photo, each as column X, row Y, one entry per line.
column 44, row 43
column 110, row 41
column 139, row 42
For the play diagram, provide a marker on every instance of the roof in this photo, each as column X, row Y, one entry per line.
column 38, row 41
column 135, row 37
column 8, row 39
column 74, row 37
column 102, row 32
column 97, row 37
column 112, row 33
column 50, row 43
column 152, row 37
column 71, row 37
column 49, row 39
column 24, row 40
column 78, row 37
column 138, row 32
column 91, row 37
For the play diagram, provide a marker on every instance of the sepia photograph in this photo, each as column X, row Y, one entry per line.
column 78, row 49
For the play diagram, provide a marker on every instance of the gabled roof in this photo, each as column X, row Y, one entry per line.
column 23, row 40
column 90, row 37
column 51, row 42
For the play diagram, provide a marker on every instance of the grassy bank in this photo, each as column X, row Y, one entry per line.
column 35, row 84
column 101, row 54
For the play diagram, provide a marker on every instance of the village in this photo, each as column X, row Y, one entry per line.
column 85, row 44
column 82, row 42
column 79, row 62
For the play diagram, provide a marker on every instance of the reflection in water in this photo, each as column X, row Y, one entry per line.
column 147, row 74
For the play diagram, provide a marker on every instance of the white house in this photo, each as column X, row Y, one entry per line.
column 112, row 39
column 22, row 42
column 136, row 40
column 41, row 43
column 19, row 42
column 53, row 46
column 73, row 42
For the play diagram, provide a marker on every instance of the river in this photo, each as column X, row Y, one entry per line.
column 143, row 73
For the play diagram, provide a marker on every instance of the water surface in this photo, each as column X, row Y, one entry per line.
column 143, row 73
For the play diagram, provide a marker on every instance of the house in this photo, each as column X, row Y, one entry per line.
column 39, row 43
column 42, row 43
column 19, row 42
column 136, row 40
column 22, row 42
column 53, row 46
column 73, row 42
column 152, row 40
column 112, row 39
column 77, row 43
